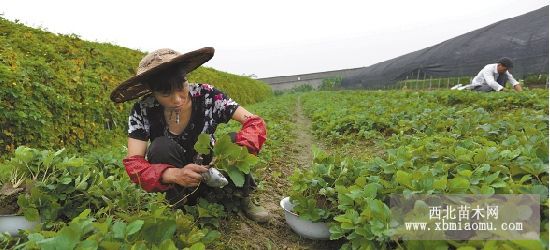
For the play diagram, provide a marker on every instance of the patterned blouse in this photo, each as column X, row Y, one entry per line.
column 210, row 107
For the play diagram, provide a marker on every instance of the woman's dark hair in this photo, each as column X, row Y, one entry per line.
column 167, row 80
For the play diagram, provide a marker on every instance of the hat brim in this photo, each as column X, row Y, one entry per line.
column 135, row 86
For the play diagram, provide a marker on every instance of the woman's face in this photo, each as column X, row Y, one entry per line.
column 173, row 100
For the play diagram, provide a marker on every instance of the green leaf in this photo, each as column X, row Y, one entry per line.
column 499, row 184
column 466, row 248
column 343, row 219
column 66, row 180
column 167, row 244
column 440, row 184
column 224, row 146
column 355, row 192
column 157, row 232
column 492, row 177
column 458, row 185
column 370, row 190
column 195, row 235
column 134, row 227
column 31, row 214
column 404, row 178
column 529, row 244
column 203, row 212
column 119, row 230
column 487, row 190
column 68, row 237
column 106, row 244
column 198, row 246
column 140, row 245
column 202, row 146
column 211, row 236
column 466, row 173
column 88, row 245
column 336, row 232
column 509, row 155
column 361, row 181
column 236, row 176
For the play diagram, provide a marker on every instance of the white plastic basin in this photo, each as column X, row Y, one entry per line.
column 304, row 228
column 12, row 224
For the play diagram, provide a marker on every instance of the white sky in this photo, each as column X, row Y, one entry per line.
column 270, row 38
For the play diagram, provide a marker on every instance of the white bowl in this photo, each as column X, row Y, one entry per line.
column 307, row 229
column 12, row 224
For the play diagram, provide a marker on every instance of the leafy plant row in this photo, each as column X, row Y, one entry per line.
column 429, row 143
column 89, row 203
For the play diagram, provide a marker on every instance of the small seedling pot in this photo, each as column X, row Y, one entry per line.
column 304, row 228
column 13, row 223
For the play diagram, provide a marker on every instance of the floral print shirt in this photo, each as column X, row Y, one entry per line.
column 210, row 107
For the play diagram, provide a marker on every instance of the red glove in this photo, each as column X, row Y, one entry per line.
column 145, row 174
column 252, row 134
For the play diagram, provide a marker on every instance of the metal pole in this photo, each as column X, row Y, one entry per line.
column 417, row 77
column 430, row 88
column 448, row 80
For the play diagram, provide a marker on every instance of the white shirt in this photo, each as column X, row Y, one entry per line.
column 488, row 76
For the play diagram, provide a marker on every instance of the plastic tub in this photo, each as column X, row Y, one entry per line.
column 12, row 224
column 304, row 228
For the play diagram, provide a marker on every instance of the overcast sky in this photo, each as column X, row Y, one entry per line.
column 270, row 38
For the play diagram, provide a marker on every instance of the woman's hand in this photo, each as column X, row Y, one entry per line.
column 188, row 176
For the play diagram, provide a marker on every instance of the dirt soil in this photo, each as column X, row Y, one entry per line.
column 8, row 199
column 242, row 233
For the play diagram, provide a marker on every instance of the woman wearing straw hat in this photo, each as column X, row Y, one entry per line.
column 171, row 115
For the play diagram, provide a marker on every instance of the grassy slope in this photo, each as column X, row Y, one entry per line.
column 54, row 89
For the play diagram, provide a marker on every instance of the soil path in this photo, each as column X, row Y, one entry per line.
column 277, row 234
column 304, row 138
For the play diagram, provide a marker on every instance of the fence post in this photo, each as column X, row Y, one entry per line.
column 417, row 77
column 430, row 88
column 448, row 80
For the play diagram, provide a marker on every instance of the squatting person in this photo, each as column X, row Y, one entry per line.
column 493, row 77
column 171, row 114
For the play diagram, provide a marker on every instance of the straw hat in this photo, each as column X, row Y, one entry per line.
column 154, row 62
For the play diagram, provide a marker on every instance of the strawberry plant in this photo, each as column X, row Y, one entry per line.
column 228, row 156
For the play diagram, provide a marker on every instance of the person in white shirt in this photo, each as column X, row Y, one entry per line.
column 493, row 77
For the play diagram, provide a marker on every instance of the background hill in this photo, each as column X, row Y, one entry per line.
column 54, row 89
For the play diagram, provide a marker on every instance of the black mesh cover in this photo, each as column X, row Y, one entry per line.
column 524, row 39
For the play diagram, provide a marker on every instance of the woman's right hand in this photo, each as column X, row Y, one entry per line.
column 188, row 176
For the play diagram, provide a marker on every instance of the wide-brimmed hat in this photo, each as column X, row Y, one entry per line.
column 154, row 62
